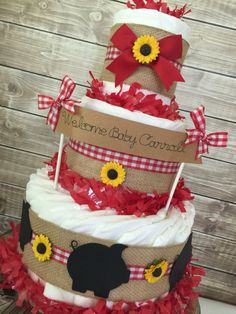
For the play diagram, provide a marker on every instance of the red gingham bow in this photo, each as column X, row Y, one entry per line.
column 217, row 139
column 63, row 100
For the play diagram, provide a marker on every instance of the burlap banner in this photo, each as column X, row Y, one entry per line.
column 126, row 136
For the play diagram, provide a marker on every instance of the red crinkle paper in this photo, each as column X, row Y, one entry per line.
column 159, row 6
column 134, row 99
column 31, row 293
column 99, row 196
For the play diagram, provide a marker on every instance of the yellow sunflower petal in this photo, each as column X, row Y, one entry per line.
column 42, row 248
column 113, row 173
column 154, row 272
column 146, row 49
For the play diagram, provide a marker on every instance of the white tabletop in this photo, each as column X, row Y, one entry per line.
column 214, row 307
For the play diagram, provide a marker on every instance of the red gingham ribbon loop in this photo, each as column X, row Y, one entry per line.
column 217, row 139
column 63, row 100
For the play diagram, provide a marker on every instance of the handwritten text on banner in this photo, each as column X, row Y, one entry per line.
column 126, row 136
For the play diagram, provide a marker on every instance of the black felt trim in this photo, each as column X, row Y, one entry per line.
column 25, row 229
column 9, row 293
column 97, row 268
column 181, row 263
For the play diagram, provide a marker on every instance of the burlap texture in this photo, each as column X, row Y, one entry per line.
column 55, row 273
column 139, row 180
column 145, row 75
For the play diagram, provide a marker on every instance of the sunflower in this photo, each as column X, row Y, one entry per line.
column 155, row 271
column 146, row 49
column 113, row 173
column 42, row 248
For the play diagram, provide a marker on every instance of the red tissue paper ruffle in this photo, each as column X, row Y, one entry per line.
column 134, row 99
column 99, row 196
column 159, row 6
column 30, row 293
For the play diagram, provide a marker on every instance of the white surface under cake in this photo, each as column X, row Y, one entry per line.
column 215, row 307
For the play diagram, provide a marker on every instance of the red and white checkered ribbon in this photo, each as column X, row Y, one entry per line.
column 126, row 160
column 60, row 255
column 113, row 53
column 63, row 100
column 136, row 272
column 217, row 139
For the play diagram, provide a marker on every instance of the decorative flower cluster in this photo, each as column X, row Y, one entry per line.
column 134, row 99
column 159, row 6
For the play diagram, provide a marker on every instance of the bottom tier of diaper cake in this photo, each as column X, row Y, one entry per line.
column 74, row 260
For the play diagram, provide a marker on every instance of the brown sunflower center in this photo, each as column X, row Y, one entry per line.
column 157, row 272
column 41, row 248
column 112, row 174
column 145, row 50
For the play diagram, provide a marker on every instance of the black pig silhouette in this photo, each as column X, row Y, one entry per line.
column 97, row 268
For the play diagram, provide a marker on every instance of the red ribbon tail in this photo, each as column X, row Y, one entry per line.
column 123, row 66
column 50, row 112
column 217, row 139
column 171, row 47
column 167, row 72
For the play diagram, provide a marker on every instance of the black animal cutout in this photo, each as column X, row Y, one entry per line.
column 25, row 229
column 97, row 268
column 180, row 264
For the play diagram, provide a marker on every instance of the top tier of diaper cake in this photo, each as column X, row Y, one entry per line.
column 148, row 45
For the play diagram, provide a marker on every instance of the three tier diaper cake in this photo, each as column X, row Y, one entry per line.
column 107, row 223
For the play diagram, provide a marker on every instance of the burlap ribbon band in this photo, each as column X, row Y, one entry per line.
column 56, row 273
column 144, row 75
column 135, row 179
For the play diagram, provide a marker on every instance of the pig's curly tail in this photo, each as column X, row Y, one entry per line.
column 74, row 244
